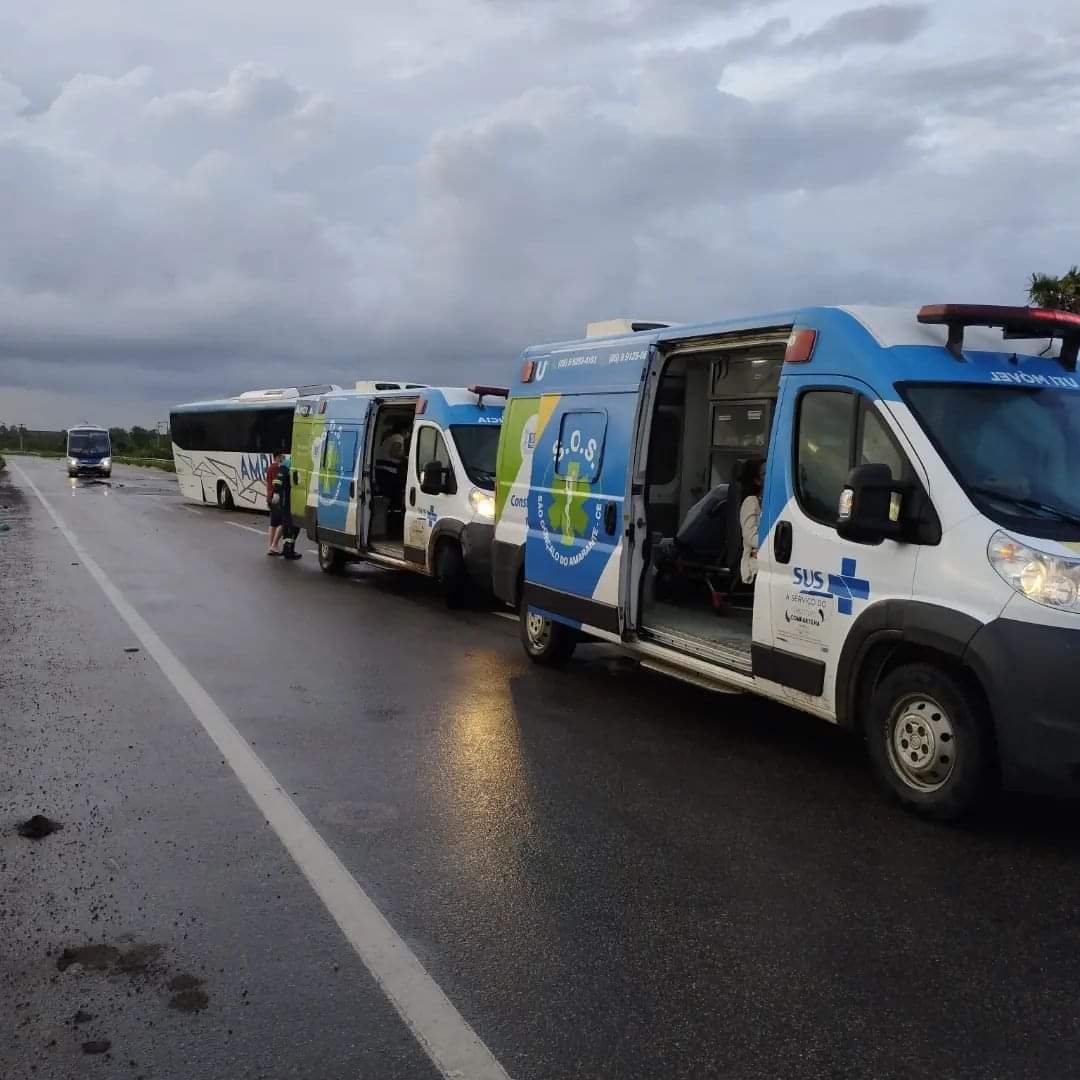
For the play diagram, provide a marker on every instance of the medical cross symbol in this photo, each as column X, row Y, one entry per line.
column 431, row 516
column 846, row 587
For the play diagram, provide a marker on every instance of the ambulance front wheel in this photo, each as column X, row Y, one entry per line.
column 451, row 574
column 331, row 560
column 546, row 641
column 929, row 741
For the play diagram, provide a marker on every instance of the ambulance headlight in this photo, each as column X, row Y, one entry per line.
column 106, row 462
column 73, row 462
column 1046, row 579
column 483, row 504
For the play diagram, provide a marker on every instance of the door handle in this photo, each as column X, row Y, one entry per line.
column 412, row 496
column 782, row 542
column 609, row 518
column 295, row 477
column 352, row 489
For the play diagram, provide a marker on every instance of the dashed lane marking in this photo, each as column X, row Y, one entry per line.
column 454, row 1048
column 249, row 528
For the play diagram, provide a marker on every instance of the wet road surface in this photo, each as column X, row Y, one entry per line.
column 608, row 874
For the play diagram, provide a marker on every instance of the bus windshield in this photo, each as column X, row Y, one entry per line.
column 478, row 445
column 88, row 442
column 1014, row 450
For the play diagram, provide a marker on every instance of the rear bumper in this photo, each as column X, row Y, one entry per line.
column 1029, row 673
column 476, row 543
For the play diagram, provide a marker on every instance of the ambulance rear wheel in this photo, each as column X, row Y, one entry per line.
column 929, row 741
column 450, row 573
column 546, row 641
column 331, row 560
column 224, row 496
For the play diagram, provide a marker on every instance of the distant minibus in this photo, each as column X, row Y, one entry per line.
column 403, row 479
column 89, row 450
column 915, row 570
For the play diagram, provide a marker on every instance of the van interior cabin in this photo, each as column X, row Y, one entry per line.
column 708, row 441
column 389, row 473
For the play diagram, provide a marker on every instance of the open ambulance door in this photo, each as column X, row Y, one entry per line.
column 636, row 553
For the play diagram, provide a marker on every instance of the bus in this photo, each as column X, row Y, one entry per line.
column 89, row 450
column 222, row 449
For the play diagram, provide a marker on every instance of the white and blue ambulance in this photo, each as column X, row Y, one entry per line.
column 403, row 478
column 917, row 553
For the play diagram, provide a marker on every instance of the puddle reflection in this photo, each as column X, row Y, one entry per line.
column 482, row 785
column 84, row 483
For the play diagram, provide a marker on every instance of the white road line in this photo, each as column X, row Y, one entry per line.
column 190, row 509
column 505, row 615
column 441, row 1030
column 250, row 528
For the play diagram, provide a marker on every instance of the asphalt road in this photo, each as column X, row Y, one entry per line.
column 606, row 873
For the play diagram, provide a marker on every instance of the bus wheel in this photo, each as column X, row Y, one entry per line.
column 450, row 573
column 546, row 641
column 331, row 560
column 929, row 741
column 224, row 496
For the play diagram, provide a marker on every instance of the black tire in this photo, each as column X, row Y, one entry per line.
column 224, row 496
column 451, row 574
column 546, row 641
column 331, row 559
column 929, row 736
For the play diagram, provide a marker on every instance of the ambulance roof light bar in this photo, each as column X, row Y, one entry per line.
column 488, row 391
column 1015, row 322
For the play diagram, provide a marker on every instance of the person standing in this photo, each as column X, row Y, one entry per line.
column 283, row 486
column 274, row 504
column 753, row 479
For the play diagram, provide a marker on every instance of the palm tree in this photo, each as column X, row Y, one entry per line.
column 1059, row 293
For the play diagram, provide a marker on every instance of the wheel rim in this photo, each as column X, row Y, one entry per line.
column 538, row 630
column 921, row 743
column 326, row 554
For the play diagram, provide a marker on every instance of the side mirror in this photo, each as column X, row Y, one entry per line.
column 433, row 478
column 871, row 505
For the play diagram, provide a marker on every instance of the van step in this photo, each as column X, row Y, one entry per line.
column 702, row 681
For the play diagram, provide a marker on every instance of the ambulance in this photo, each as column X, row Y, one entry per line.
column 402, row 478
column 914, row 575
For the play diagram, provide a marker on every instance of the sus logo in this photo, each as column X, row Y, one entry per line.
column 809, row 580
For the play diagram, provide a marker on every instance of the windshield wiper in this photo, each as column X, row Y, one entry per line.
column 1028, row 504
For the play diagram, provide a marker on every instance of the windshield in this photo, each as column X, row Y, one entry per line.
column 478, row 445
column 88, row 442
column 1015, row 451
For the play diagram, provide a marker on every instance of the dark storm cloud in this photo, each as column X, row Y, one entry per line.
column 881, row 24
column 421, row 190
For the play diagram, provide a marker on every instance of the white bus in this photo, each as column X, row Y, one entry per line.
column 223, row 448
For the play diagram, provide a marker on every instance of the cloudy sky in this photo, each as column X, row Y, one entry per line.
column 197, row 199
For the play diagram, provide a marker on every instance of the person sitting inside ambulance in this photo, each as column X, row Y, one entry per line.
column 753, row 484
column 388, row 463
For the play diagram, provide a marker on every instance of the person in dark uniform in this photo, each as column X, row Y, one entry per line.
column 283, row 489
column 273, row 501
